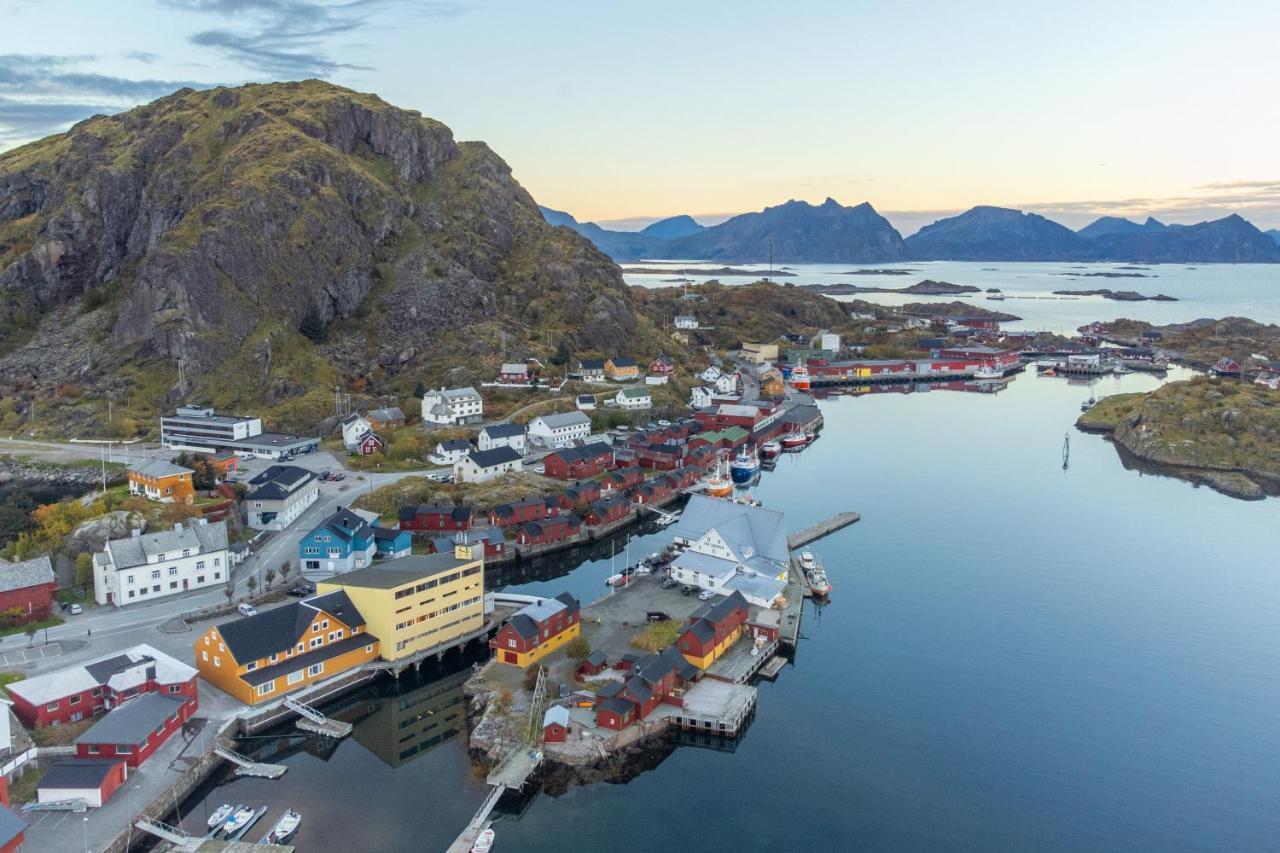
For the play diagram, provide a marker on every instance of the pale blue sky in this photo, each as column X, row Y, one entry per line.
column 614, row 110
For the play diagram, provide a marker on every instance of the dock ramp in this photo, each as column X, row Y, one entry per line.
column 815, row 532
column 179, row 839
column 75, row 804
column 246, row 766
column 311, row 720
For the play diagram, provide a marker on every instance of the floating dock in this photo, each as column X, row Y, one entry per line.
column 311, row 720
column 246, row 766
column 815, row 532
column 771, row 669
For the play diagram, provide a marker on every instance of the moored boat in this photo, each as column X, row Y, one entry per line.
column 800, row 377
column 285, row 826
column 719, row 484
column 770, row 449
column 1088, row 404
column 745, row 466
column 484, row 842
column 794, row 440
column 988, row 371
column 239, row 820
column 818, row 583
column 220, row 815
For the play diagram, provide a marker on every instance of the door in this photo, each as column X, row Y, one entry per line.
column 184, row 584
column 509, row 657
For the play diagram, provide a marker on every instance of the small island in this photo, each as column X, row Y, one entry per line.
column 730, row 271
column 1105, row 275
column 928, row 287
column 1117, row 295
column 1222, row 433
column 880, row 272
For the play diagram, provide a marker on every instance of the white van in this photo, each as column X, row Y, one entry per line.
column 247, row 609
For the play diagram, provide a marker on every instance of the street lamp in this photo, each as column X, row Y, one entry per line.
column 85, row 824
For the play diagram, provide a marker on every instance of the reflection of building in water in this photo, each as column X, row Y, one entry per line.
column 400, row 728
column 993, row 386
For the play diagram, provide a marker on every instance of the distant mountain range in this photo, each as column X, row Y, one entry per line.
column 798, row 232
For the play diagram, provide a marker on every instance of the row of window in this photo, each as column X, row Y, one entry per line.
column 434, row 613
column 403, row 644
column 297, row 675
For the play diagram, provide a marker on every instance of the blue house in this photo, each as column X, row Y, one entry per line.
column 343, row 542
column 392, row 543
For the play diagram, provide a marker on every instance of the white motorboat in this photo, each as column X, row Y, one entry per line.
column 239, row 820
column 285, row 826
column 807, row 560
column 988, row 371
column 220, row 814
column 484, row 842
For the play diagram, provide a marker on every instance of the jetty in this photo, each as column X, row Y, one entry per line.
column 814, row 532
column 311, row 720
column 246, row 766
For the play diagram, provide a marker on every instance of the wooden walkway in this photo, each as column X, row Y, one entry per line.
column 823, row 528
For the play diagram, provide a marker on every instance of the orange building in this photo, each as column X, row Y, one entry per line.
column 261, row 658
column 162, row 481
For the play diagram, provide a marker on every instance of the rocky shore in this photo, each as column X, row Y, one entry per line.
column 1224, row 434
column 1117, row 295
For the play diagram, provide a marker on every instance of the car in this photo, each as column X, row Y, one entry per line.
column 706, row 595
column 667, row 583
column 664, row 423
column 339, row 476
column 246, row 609
column 324, row 475
column 303, row 587
column 76, row 610
column 540, row 469
column 657, row 616
column 564, row 690
column 687, row 590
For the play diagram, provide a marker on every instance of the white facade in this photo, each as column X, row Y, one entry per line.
column 727, row 383
column 700, row 397
column 482, row 466
column 829, row 341
column 559, row 430
column 452, row 406
column 633, row 399
column 656, row 379
column 686, row 322
column 281, row 494
column 200, row 428
column 711, row 374
column 447, row 453
column 353, row 427
column 502, row 435
column 148, row 567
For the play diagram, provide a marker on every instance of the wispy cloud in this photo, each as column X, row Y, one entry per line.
column 42, row 94
column 292, row 38
column 142, row 56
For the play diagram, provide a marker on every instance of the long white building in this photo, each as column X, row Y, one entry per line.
column 559, row 430
column 199, row 428
column 151, row 566
column 729, row 547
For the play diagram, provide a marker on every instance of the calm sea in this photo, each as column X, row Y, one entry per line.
column 1206, row 290
column 1016, row 657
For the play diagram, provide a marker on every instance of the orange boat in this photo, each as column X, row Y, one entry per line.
column 800, row 378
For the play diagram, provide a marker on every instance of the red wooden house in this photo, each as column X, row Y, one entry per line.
column 577, row 463
column 555, row 529
column 92, row 780
column 495, row 544
column 659, row 457
column 685, row 476
column 579, row 495
column 621, row 480
column 657, row 679
column 655, row 491
column 370, row 443
column 607, row 510
column 537, row 629
column 78, row 692
column 518, row 512
column 594, row 664
column 662, row 366
column 1226, row 366
column 27, row 587
column 426, row 518
column 713, row 629
column 555, row 724
column 12, row 828
column 136, row 729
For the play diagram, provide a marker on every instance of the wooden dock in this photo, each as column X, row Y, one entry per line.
column 823, row 528
column 771, row 669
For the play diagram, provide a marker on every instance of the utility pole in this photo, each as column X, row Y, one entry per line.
column 770, row 259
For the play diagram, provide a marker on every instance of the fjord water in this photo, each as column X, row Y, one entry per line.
column 1015, row 657
column 1202, row 290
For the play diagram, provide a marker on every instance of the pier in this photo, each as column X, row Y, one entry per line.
column 311, row 720
column 823, row 528
column 248, row 767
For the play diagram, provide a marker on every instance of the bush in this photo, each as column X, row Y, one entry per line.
column 578, row 648
column 531, row 676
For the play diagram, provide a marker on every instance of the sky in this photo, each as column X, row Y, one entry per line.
column 623, row 113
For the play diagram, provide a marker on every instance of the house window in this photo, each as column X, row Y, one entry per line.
column 123, row 750
column 273, row 658
column 97, row 691
column 128, row 579
column 294, row 677
column 173, row 571
column 92, row 749
column 173, row 584
column 155, row 588
column 217, row 661
column 131, row 593
column 155, row 574
column 315, row 669
column 251, row 666
column 511, row 644
column 317, row 641
column 266, row 687
column 217, row 561
column 175, row 688
column 74, row 700
column 368, row 649
column 217, row 575
column 204, row 656
column 199, row 578
column 199, row 565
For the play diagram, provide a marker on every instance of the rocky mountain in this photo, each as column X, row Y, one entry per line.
column 256, row 246
column 996, row 234
column 1231, row 239
column 1106, row 226
column 1273, row 233
column 671, row 228
column 799, row 232
column 615, row 244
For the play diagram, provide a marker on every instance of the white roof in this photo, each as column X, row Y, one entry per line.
column 75, row 679
column 563, row 419
column 556, row 714
column 513, row 367
column 158, row 468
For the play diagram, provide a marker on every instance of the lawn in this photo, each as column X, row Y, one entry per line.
column 19, row 629
column 656, row 637
column 7, row 678
column 23, row 788
column 61, row 735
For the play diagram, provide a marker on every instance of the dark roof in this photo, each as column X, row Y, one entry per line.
column 271, row 632
column 493, row 458
column 596, row 658
column 722, row 608
column 524, row 625
column 568, row 601
column 592, row 364
column 11, row 826
column 510, row 508
column 623, row 361
column 289, row 476
column 302, row 661
column 617, row 705
column 456, row 444
column 632, row 657
column 702, row 629
column 458, row 513
column 503, row 430
column 399, row 572
column 612, row 688
column 78, row 773
column 344, row 524
column 639, row 688
column 131, row 722
column 388, row 533
column 103, row 670
column 594, row 450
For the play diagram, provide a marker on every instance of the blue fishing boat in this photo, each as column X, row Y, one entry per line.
column 745, row 466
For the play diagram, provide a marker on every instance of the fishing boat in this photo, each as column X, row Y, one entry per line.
column 770, row 450
column 810, row 437
column 239, row 820
column 814, row 575
column 794, row 440
column 484, row 842
column 285, row 826
column 988, row 371
column 220, row 815
column 719, row 484
column 807, row 560
column 745, row 466
column 1088, row 404
column 800, row 377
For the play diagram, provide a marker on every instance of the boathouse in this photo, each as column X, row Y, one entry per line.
column 713, row 629
column 536, row 630
column 423, row 518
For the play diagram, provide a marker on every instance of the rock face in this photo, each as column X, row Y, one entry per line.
column 996, row 234
column 1228, row 240
column 248, row 228
column 92, row 535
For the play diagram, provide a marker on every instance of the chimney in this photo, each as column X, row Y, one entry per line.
column 177, row 527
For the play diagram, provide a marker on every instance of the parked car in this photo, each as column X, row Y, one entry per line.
column 540, row 469
column 247, row 609
column 339, row 476
column 657, row 616
column 324, row 475
column 668, row 583
column 706, row 595
column 664, row 423
column 687, row 590
column 302, row 588
column 76, row 610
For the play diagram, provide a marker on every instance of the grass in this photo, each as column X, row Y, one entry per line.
column 7, row 678
column 21, row 629
column 656, row 637
column 61, row 735
column 23, row 788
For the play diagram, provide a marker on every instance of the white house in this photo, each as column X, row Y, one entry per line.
column 450, row 452
column 686, row 321
column 586, row 402
column 711, row 374
column 559, row 430
column 279, row 495
column 730, row 547
column 700, row 397
column 353, row 429
column 147, row 567
column 502, row 435
column 480, row 466
column 634, row 398
column 828, row 341
column 727, row 383
column 452, row 406
column 656, row 379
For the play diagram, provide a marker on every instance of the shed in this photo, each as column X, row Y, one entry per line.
column 92, row 780
column 594, row 663
column 555, row 724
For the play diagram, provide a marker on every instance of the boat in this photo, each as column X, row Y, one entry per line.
column 618, row 580
column 220, row 814
column 810, row 437
column 285, row 826
column 770, row 449
column 719, row 484
column 252, row 819
column 807, row 560
column 745, row 466
column 996, row 297
column 988, row 371
column 794, row 440
column 800, row 377
column 1088, row 404
column 814, row 575
column 1051, row 372
column 238, row 820
column 484, row 842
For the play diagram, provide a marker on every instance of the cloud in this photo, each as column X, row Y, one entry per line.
column 42, row 94
column 142, row 56
column 289, row 38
